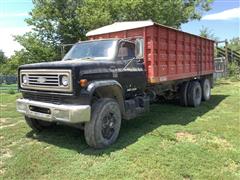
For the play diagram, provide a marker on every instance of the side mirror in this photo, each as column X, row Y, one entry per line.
column 139, row 49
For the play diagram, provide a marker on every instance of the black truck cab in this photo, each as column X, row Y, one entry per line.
column 96, row 84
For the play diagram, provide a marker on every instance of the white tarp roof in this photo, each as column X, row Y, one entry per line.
column 120, row 26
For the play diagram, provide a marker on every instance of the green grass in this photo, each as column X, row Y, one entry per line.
column 169, row 142
column 8, row 88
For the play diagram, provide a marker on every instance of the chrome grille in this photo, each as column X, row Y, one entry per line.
column 46, row 80
column 49, row 80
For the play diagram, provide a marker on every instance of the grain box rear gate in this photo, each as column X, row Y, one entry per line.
column 169, row 54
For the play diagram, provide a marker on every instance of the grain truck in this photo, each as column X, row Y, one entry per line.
column 114, row 76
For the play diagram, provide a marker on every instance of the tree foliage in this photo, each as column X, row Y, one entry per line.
column 3, row 58
column 66, row 21
column 234, row 44
column 56, row 22
column 207, row 33
column 34, row 51
column 3, row 61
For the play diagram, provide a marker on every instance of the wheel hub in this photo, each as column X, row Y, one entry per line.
column 108, row 126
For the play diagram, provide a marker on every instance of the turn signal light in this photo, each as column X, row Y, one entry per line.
column 83, row 82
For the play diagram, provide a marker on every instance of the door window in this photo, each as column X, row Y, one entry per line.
column 126, row 51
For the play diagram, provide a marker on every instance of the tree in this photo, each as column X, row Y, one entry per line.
column 234, row 64
column 66, row 21
column 234, row 44
column 36, row 50
column 56, row 22
column 207, row 33
column 3, row 58
column 172, row 12
column 3, row 61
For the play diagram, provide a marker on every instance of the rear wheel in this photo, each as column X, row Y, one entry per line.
column 37, row 125
column 183, row 93
column 103, row 128
column 194, row 94
column 206, row 89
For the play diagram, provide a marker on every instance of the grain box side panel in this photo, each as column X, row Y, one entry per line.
column 178, row 55
column 170, row 54
column 193, row 52
column 181, row 55
column 186, row 54
column 151, row 56
column 162, row 52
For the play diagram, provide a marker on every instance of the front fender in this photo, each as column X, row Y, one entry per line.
column 103, row 83
column 110, row 89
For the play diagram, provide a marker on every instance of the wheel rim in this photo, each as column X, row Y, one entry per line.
column 108, row 125
column 207, row 90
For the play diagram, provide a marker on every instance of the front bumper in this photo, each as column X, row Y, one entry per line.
column 55, row 113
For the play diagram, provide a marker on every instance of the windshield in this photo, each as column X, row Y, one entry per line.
column 102, row 49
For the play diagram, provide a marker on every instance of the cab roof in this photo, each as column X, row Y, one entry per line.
column 120, row 26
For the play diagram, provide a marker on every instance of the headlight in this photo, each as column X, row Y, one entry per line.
column 24, row 79
column 65, row 80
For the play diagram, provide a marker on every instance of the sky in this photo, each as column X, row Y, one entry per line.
column 223, row 20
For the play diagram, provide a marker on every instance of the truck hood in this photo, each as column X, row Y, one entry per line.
column 88, row 69
column 81, row 68
column 69, row 64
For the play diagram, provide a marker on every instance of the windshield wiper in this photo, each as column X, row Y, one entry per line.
column 88, row 58
column 68, row 59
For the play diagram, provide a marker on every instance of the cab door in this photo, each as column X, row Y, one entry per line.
column 131, row 71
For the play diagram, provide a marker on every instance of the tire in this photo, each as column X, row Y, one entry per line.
column 194, row 94
column 103, row 128
column 206, row 89
column 37, row 125
column 183, row 93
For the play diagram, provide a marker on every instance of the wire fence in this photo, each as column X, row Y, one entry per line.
column 9, row 79
column 8, row 84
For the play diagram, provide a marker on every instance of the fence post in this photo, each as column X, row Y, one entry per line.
column 226, row 58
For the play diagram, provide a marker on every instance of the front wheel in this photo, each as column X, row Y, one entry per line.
column 37, row 125
column 103, row 128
